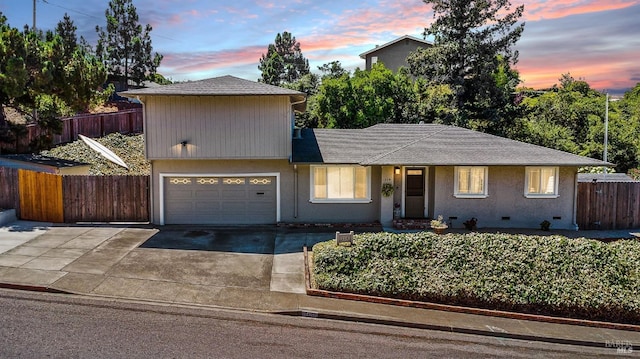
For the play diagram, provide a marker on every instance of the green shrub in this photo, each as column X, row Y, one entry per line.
column 551, row 275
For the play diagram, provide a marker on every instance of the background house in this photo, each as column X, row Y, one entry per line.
column 394, row 54
column 46, row 164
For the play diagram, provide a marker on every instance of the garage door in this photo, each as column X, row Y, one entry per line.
column 220, row 200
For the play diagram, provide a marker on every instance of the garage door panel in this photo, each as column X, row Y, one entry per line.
column 220, row 200
column 234, row 194
column 212, row 194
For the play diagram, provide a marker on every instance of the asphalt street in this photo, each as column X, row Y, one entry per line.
column 38, row 325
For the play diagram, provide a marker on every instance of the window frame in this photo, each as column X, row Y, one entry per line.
column 456, row 184
column 556, row 175
column 312, row 188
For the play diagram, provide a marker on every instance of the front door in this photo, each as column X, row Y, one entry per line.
column 414, row 197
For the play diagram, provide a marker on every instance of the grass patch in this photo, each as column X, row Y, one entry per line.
column 551, row 275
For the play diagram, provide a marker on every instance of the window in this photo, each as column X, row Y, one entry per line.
column 541, row 182
column 340, row 183
column 374, row 60
column 470, row 182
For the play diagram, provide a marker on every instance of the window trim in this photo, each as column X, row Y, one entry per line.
column 555, row 194
column 312, row 189
column 456, row 183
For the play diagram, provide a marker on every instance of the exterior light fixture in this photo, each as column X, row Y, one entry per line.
column 396, row 170
column 184, row 143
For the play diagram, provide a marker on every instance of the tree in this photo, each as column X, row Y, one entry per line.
column 67, row 31
column 366, row 98
column 37, row 72
column 332, row 69
column 125, row 48
column 283, row 63
column 471, row 38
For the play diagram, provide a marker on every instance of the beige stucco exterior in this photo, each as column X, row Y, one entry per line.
column 294, row 189
column 217, row 127
column 506, row 199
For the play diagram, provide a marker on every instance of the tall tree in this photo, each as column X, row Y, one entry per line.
column 67, row 31
column 36, row 73
column 471, row 38
column 125, row 48
column 283, row 63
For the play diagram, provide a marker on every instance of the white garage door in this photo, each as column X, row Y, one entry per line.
column 220, row 200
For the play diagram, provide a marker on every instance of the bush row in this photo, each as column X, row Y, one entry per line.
column 550, row 275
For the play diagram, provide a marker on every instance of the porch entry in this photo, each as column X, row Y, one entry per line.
column 414, row 193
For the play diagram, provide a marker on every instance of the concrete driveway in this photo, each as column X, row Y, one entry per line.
column 180, row 264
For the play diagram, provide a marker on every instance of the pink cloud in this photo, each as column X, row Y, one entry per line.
column 538, row 10
column 186, row 63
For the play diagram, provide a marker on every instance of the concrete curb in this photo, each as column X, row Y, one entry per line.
column 32, row 288
column 397, row 323
column 459, row 309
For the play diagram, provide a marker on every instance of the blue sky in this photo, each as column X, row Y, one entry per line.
column 594, row 40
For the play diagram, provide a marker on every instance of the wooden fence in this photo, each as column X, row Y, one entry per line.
column 91, row 125
column 53, row 198
column 9, row 189
column 608, row 205
column 106, row 198
column 40, row 196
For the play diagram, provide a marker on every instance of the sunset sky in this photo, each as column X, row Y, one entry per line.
column 598, row 41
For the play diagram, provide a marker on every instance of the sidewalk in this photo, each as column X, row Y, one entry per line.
column 106, row 261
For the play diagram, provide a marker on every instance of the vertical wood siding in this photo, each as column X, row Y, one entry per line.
column 607, row 205
column 221, row 127
column 40, row 196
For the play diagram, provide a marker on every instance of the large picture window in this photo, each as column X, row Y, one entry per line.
column 340, row 183
column 541, row 182
column 471, row 182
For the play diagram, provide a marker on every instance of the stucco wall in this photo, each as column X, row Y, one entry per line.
column 337, row 213
column 506, row 199
column 306, row 212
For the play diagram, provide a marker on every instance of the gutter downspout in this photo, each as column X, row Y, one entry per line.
column 146, row 153
column 295, row 191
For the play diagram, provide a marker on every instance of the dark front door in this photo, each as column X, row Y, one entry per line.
column 414, row 198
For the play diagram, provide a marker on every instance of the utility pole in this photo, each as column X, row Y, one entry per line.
column 34, row 15
column 606, row 131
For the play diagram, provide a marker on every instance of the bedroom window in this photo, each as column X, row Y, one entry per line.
column 541, row 182
column 340, row 184
column 470, row 182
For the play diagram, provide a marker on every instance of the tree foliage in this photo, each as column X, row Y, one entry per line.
column 125, row 47
column 570, row 117
column 472, row 52
column 283, row 63
column 48, row 73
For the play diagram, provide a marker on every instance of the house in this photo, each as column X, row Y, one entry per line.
column 224, row 151
column 394, row 54
column 40, row 163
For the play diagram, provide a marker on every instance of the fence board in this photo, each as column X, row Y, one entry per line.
column 91, row 125
column 40, row 196
column 106, row 198
column 9, row 198
column 608, row 205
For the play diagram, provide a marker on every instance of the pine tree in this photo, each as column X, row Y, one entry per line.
column 125, row 48
column 472, row 40
column 283, row 63
column 67, row 31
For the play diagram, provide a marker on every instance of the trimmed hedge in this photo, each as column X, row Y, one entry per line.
column 552, row 275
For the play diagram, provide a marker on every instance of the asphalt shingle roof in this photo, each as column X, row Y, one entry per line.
column 424, row 144
column 217, row 86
